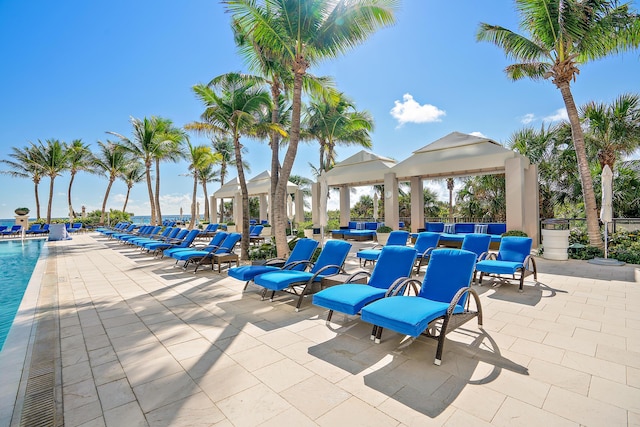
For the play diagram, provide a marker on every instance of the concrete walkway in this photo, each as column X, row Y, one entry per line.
column 143, row 343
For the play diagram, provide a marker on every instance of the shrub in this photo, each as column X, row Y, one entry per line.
column 588, row 252
column 629, row 253
column 578, row 235
column 384, row 229
column 516, row 233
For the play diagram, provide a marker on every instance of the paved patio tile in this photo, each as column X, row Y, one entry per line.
column 144, row 343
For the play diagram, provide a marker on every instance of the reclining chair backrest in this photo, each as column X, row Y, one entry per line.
column 188, row 239
column 398, row 238
column 229, row 243
column 257, row 229
column 182, row 232
column 218, row 238
column 393, row 263
column 333, row 253
column 476, row 243
column 302, row 251
column 425, row 241
column 514, row 248
column 448, row 271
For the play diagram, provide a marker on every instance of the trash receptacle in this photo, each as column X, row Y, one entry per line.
column 555, row 239
column 317, row 234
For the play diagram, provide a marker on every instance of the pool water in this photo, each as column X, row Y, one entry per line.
column 17, row 262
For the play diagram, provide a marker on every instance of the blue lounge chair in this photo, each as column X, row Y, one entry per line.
column 514, row 256
column 149, row 234
column 208, row 256
column 300, row 283
column 140, row 231
column 127, row 229
column 209, row 231
column 13, row 231
column 168, row 234
column 2, row 228
column 254, row 235
column 119, row 226
column 185, row 242
column 75, row 227
column 444, row 294
column 425, row 243
column 394, row 266
column 298, row 259
column 215, row 242
column 478, row 244
column 396, row 238
column 34, row 228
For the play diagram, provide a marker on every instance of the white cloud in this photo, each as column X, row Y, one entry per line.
column 410, row 111
column 527, row 118
column 478, row 134
column 560, row 114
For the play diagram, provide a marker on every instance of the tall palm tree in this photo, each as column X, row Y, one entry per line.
column 200, row 158
column 24, row 165
column 169, row 148
column 336, row 121
column 133, row 174
column 113, row 160
column 564, row 34
column 51, row 158
column 79, row 157
column 152, row 138
column 298, row 34
column 234, row 105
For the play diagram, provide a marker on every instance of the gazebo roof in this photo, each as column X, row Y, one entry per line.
column 456, row 154
column 261, row 184
column 363, row 168
column 228, row 190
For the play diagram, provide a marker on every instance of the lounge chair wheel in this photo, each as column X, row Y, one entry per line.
column 297, row 309
column 372, row 337
column 376, row 340
column 327, row 323
column 520, row 291
column 437, row 362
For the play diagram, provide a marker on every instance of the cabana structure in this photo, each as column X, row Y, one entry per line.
column 455, row 155
column 258, row 186
column 363, row 168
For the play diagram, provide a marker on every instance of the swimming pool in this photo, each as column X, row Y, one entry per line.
column 17, row 261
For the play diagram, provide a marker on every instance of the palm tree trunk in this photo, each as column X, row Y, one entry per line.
column 206, row 202
column 588, row 194
column 275, row 147
column 71, row 212
column 192, row 223
column 150, row 190
column 104, row 202
column 50, row 200
column 280, row 197
column 35, row 184
column 244, row 243
column 157, row 195
column 126, row 199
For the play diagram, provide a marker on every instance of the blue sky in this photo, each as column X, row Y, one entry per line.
column 76, row 69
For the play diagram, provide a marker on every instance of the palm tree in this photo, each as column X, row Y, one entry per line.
column 200, row 158
column 113, row 160
column 169, row 141
column 336, row 121
column 79, row 157
column 152, row 140
column 565, row 34
column 51, row 158
column 134, row 174
column 298, row 34
column 235, row 104
column 24, row 165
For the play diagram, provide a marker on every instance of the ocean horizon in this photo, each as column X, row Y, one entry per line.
column 138, row 219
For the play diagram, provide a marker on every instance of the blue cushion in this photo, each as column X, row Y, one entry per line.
column 371, row 226
column 369, row 254
column 282, row 279
column 352, row 225
column 360, row 226
column 249, row 272
column 496, row 228
column 348, row 298
column 449, row 228
column 498, row 267
column 405, row 314
column 464, row 227
column 434, row 227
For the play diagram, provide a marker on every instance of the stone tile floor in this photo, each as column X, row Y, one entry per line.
column 146, row 344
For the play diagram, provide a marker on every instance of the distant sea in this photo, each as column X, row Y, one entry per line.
column 140, row 219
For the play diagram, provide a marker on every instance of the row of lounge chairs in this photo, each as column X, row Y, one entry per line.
column 391, row 299
column 36, row 229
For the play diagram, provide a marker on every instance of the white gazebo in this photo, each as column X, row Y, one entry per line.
column 457, row 155
column 363, row 168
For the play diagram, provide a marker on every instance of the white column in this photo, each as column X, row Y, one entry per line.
column 345, row 206
column 532, row 204
column 213, row 209
column 391, row 217
column 315, row 204
column 263, row 207
column 417, row 204
column 237, row 211
column 299, row 206
column 514, row 193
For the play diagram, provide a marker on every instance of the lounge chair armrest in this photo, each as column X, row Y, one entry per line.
column 530, row 260
column 275, row 261
column 358, row 274
column 400, row 285
column 376, row 246
column 459, row 294
column 328, row 267
column 492, row 256
column 483, row 256
column 294, row 264
column 426, row 253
